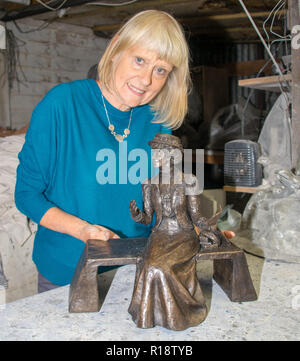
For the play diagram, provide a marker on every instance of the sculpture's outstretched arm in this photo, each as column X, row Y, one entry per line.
column 144, row 217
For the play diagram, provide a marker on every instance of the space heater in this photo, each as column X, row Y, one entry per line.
column 240, row 164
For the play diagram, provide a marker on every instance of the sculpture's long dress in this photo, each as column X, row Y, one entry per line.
column 166, row 291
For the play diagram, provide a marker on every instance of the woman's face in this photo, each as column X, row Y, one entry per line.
column 139, row 77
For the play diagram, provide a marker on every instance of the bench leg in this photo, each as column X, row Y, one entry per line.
column 233, row 276
column 83, row 293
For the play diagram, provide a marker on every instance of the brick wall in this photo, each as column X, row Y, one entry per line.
column 56, row 54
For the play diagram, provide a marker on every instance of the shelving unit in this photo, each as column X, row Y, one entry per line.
column 242, row 189
column 269, row 83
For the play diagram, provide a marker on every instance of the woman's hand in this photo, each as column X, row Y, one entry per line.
column 60, row 221
column 93, row 231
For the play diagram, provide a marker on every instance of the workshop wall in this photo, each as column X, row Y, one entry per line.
column 52, row 54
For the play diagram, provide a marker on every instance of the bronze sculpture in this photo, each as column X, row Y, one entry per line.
column 166, row 290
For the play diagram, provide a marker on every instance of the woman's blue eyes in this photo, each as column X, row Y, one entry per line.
column 139, row 60
column 159, row 70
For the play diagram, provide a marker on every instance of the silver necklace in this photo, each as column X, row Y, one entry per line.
column 111, row 127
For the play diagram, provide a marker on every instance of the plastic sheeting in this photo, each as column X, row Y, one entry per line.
column 228, row 122
column 270, row 220
column 275, row 140
column 4, row 92
column 16, row 230
column 12, row 222
column 3, row 280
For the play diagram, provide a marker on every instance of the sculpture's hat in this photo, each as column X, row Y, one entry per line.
column 162, row 140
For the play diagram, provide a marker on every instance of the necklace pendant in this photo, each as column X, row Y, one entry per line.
column 119, row 138
column 111, row 127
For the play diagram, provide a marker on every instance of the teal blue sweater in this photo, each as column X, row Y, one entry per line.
column 71, row 160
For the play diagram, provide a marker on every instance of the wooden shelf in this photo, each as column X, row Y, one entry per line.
column 270, row 83
column 242, row 189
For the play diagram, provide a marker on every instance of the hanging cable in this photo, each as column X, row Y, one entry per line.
column 99, row 3
column 13, row 61
column 49, row 7
column 261, row 37
column 274, row 17
column 281, row 76
column 41, row 27
column 249, row 97
column 269, row 16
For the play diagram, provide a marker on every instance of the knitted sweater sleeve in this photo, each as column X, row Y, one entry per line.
column 37, row 161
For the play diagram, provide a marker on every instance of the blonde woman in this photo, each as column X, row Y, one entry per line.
column 65, row 182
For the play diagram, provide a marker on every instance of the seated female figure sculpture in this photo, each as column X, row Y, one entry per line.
column 167, row 292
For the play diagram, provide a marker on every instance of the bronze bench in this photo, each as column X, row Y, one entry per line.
column 229, row 264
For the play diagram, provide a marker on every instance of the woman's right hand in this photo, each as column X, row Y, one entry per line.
column 60, row 221
column 93, row 231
